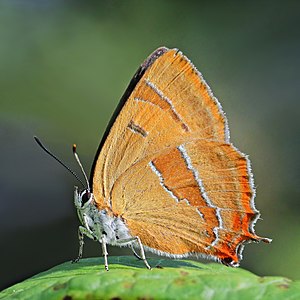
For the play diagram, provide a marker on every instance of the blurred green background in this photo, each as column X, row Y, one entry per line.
column 64, row 66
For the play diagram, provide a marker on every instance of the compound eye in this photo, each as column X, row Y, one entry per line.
column 85, row 197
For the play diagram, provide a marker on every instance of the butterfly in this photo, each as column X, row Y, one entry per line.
column 166, row 177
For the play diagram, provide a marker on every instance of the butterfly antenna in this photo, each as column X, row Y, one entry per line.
column 81, row 167
column 58, row 160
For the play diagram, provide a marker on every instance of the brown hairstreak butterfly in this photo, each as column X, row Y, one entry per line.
column 166, row 177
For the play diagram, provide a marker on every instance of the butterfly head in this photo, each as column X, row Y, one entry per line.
column 83, row 198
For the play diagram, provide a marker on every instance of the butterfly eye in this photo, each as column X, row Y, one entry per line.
column 85, row 197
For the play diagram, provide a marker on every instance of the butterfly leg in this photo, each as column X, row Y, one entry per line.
column 104, row 251
column 143, row 256
column 142, row 252
column 81, row 232
column 134, row 253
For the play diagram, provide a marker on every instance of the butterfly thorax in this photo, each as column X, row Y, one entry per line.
column 99, row 222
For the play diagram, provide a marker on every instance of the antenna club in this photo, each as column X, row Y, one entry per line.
column 37, row 140
column 74, row 148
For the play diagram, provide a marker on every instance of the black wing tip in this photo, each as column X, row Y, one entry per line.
column 153, row 57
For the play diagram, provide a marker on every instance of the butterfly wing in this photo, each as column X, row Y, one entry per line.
column 167, row 167
column 195, row 198
column 167, row 102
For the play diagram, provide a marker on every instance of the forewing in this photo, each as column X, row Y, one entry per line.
column 167, row 104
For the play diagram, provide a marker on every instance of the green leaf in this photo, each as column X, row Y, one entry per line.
column 128, row 278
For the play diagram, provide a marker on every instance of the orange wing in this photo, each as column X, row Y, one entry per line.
column 166, row 165
column 196, row 198
column 168, row 104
